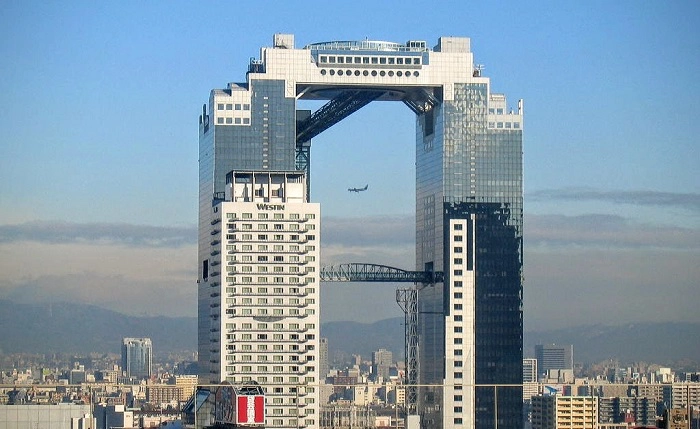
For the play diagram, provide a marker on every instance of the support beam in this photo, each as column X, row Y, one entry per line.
column 339, row 108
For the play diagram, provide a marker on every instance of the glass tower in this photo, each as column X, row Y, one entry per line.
column 469, row 204
column 137, row 355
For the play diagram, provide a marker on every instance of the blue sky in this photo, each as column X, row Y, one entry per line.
column 98, row 148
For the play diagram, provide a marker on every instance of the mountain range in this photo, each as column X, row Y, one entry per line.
column 80, row 328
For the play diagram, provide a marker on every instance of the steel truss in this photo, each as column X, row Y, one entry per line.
column 359, row 272
column 407, row 298
column 339, row 108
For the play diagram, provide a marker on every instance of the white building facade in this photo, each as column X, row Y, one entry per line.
column 262, row 278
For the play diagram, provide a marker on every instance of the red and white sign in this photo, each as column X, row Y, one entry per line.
column 250, row 409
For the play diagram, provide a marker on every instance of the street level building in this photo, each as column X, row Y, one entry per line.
column 564, row 412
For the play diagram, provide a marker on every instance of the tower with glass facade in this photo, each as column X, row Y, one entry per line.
column 468, row 213
column 137, row 357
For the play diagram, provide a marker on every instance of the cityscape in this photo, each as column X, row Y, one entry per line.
column 311, row 303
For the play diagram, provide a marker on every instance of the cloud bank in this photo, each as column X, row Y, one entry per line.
column 578, row 269
column 688, row 201
column 53, row 232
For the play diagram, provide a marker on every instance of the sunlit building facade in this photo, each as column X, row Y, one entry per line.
column 468, row 207
column 137, row 357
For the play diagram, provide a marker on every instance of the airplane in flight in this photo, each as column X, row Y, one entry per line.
column 358, row 189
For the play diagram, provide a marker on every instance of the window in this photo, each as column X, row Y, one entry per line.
column 229, row 107
column 458, row 238
column 458, row 249
column 220, row 106
column 219, row 120
column 458, row 272
column 458, row 261
column 458, row 227
column 238, row 106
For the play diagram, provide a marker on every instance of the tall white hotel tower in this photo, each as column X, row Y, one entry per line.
column 259, row 286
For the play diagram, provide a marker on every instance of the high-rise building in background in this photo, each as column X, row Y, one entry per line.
column 529, row 370
column 137, row 356
column 554, row 357
column 468, row 224
column 382, row 360
column 323, row 362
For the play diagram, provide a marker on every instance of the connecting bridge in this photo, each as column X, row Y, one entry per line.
column 357, row 272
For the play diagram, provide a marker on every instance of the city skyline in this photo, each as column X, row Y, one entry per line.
column 611, row 201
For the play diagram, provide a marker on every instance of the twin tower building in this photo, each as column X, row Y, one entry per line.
column 259, row 229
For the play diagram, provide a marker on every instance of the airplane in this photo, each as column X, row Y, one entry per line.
column 358, row 189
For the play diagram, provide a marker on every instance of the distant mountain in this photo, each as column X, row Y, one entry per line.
column 350, row 338
column 81, row 328
column 662, row 343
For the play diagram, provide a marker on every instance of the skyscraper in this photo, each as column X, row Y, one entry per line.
column 323, row 362
column 382, row 360
column 554, row 356
column 468, row 217
column 137, row 355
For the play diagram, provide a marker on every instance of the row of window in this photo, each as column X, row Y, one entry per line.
column 277, row 237
column 292, row 270
column 292, row 216
column 236, row 106
column 275, row 326
column 291, row 312
column 515, row 125
column 275, row 347
column 373, row 73
column 367, row 60
column 234, row 121
column 247, row 290
column 267, row 357
column 276, row 226
column 265, row 280
column 265, row 337
column 274, row 301
column 274, row 248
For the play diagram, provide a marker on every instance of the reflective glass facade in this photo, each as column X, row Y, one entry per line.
column 471, row 325
column 469, row 205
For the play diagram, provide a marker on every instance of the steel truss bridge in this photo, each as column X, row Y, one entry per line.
column 407, row 298
column 345, row 102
